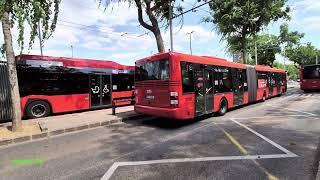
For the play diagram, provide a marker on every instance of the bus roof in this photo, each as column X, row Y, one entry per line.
column 206, row 60
column 268, row 69
column 74, row 62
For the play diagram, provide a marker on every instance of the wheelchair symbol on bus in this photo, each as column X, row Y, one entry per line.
column 105, row 89
column 95, row 90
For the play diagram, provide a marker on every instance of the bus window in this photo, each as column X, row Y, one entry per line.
column 122, row 82
column 187, row 77
column 311, row 72
column 222, row 79
column 154, row 70
column 262, row 79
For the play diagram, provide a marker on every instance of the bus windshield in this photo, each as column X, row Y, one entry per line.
column 154, row 70
column 311, row 72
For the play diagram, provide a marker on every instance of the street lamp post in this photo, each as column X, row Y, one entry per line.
column 71, row 50
column 190, row 40
column 170, row 24
column 256, row 51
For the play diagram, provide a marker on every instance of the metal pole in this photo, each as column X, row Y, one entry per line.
column 40, row 38
column 71, row 50
column 113, row 108
column 190, row 41
column 284, row 58
column 170, row 24
column 190, row 44
column 256, row 51
column 316, row 59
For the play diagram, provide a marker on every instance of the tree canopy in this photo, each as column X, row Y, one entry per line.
column 31, row 12
column 303, row 54
column 14, row 14
column 157, row 12
column 237, row 20
column 268, row 45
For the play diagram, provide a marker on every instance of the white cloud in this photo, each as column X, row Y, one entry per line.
column 311, row 23
column 307, row 5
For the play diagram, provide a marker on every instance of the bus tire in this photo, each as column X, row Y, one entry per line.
column 223, row 107
column 38, row 109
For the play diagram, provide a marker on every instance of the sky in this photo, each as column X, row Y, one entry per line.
column 114, row 33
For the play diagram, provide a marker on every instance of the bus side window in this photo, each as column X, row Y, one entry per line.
column 122, row 82
column 187, row 77
column 222, row 79
column 262, row 79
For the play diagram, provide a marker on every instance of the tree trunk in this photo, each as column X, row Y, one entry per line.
column 14, row 88
column 154, row 28
column 158, row 36
column 244, row 50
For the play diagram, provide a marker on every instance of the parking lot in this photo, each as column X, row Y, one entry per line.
column 276, row 139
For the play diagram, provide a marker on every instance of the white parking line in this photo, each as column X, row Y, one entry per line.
column 112, row 169
column 264, row 138
column 290, row 109
column 287, row 154
column 261, row 117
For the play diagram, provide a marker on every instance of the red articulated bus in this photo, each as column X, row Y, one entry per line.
column 58, row 84
column 310, row 77
column 182, row 86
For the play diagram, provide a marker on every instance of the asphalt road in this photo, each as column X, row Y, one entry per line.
column 276, row 139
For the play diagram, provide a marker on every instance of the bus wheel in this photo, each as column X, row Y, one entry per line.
column 38, row 109
column 223, row 107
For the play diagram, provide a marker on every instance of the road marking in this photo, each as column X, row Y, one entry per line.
column 245, row 152
column 290, row 109
column 112, row 169
column 145, row 147
column 234, row 141
column 26, row 161
column 287, row 154
column 261, row 117
column 264, row 138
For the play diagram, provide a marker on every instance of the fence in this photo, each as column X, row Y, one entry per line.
column 5, row 101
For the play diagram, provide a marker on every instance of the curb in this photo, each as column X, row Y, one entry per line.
column 47, row 134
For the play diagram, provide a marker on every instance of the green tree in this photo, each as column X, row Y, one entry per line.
column 303, row 54
column 157, row 12
column 16, row 13
column 268, row 45
column 289, row 38
column 237, row 20
column 292, row 70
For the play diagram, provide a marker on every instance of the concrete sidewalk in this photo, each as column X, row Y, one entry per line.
column 59, row 124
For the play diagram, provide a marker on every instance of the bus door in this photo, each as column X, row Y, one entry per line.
column 237, row 86
column 278, row 83
column 106, row 90
column 203, row 91
column 100, row 94
column 199, row 92
column 270, row 84
column 208, row 83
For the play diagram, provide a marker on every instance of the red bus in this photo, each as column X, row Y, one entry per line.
column 182, row 86
column 58, row 84
column 310, row 77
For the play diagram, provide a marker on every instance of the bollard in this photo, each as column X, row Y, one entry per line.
column 113, row 108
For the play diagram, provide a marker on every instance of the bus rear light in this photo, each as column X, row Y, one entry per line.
column 174, row 94
column 174, row 102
